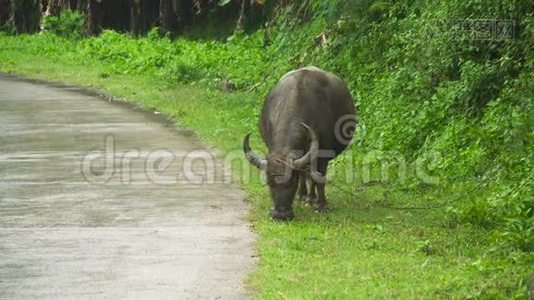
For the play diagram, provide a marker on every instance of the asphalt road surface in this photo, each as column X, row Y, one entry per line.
column 101, row 200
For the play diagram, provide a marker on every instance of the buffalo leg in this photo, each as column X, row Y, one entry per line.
column 303, row 191
column 312, row 197
column 321, row 205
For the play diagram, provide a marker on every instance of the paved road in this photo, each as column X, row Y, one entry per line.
column 99, row 200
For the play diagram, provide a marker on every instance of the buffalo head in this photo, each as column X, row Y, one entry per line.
column 282, row 169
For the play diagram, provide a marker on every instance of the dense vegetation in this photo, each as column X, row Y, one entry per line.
column 427, row 88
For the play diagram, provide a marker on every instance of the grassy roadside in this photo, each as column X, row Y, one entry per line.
column 359, row 250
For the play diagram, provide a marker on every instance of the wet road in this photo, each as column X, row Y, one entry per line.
column 99, row 200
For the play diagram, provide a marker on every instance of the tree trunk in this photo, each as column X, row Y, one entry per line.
column 169, row 16
column 80, row 5
column 136, row 11
column 92, row 16
column 55, row 7
column 143, row 16
column 5, row 12
column 239, row 23
column 26, row 15
column 116, row 14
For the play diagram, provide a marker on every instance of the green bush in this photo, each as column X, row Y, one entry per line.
column 69, row 24
column 8, row 29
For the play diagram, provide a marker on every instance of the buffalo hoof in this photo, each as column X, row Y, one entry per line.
column 321, row 208
column 309, row 201
column 285, row 215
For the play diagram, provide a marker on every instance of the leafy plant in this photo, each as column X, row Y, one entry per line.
column 69, row 24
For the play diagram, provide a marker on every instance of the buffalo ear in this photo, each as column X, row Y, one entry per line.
column 253, row 159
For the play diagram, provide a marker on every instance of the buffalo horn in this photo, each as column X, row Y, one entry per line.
column 252, row 158
column 303, row 162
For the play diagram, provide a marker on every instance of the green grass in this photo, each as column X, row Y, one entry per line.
column 359, row 250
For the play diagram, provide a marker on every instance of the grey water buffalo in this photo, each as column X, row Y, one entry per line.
column 307, row 119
